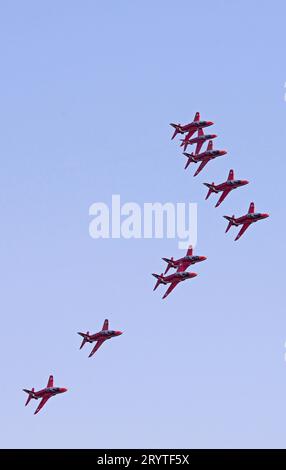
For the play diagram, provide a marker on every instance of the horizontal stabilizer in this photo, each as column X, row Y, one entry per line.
column 184, row 143
column 170, row 264
column 177, row 128
column 211, row 190
column 30, row 393
column 85, row 337
column 190, row 157
column 231, row 222
column 159, row 280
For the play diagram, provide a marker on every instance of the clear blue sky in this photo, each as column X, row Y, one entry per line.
column 87, row 93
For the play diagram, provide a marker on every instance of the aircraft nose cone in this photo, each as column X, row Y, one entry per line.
column 64, row 390
column 203, row 258
column 210, row 123
column 224, row 152
column 119, row 332
column 245, row 182
column 265, row 215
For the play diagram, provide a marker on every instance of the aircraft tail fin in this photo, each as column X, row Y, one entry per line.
column 251, row 208
column 159, row 278
column 231, row 222
column 169, row 265
column 211, row 189
column 85, row 337
column 30, row 393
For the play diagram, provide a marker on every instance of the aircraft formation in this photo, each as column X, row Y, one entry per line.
column 181, row 274
column 182, row 264
column 50, row 391
column 204, row 157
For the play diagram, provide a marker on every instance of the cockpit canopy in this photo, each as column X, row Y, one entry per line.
column 53, row 389
column 183, row 274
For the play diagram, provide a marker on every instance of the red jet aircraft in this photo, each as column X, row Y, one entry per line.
column 190, row 128
column 172, row 279
column 183, row 263
column 203, row 157
column 245, row 220
column 99, row 337
column 45, row 394
column 225, row 187
column 199, row 140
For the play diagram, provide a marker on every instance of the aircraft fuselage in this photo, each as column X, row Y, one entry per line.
column 192, row 125
column 189, row 259
column 208, row 154
column 230, row 184
column 104, row 334
column 201, row 138
column 48, row 391
column 182, row 276
column 250, row 218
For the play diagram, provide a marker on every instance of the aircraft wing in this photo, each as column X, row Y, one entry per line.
column 98, row 344
column 42, row 403
column 202, row 165
column 199, row 145
column 222, row 197
column 50, row 381
column 190, row 134
column 242, row 230
column 105, row 325
column 170, row 288
column 183, row 266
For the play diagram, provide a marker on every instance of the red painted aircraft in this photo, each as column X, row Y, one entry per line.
column 172, row 279
column 45, row 394
column 99, row 337
column 190, row 128
column 225, row 187
column 199, row 140
column 245, row 220
column 203, row 157
column 183, row 263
